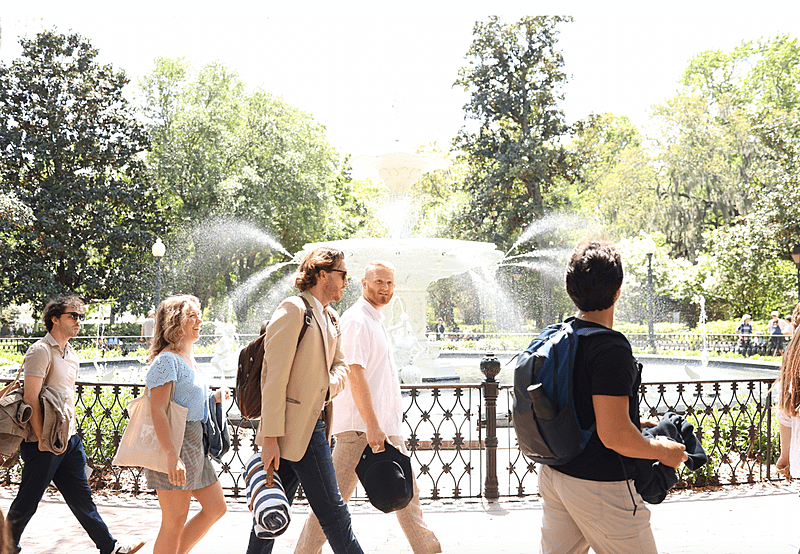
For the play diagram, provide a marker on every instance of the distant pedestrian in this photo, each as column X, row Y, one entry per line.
column 148, row 326
column 114, row 342
column 776, row 328
column 51, row 368
column 439, row 328
column 744, row 333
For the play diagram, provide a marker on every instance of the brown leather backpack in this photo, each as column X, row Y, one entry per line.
column 248, row 376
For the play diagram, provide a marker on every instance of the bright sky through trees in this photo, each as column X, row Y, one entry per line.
column 379, row 75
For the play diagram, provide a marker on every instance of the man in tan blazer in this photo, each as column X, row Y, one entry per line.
column 297, row 383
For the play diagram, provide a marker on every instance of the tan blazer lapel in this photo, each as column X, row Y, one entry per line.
column 330, row 339
column 323, row 321
column 326, row 338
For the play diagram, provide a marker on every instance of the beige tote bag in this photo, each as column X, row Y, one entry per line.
column 140, row 446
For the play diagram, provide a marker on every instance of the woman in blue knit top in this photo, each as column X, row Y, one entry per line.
column 177, row 328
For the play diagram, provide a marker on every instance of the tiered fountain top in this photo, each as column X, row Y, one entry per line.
column 419, row 261
column 400, row 170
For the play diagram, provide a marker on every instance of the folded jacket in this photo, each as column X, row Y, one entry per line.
column 653, row 479
column 14, row 417
column 56, row 420
column 270, row 508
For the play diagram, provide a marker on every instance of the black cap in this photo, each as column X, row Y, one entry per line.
column 386, row 477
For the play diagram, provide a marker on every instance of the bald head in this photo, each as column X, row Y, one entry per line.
column 378, row 283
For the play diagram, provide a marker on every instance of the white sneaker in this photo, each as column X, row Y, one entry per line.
column 127, row 548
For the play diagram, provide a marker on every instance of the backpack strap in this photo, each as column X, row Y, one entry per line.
column 306, row 320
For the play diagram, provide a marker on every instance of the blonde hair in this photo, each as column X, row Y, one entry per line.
column 170, row 317
column 372, row 266
column 789, row 381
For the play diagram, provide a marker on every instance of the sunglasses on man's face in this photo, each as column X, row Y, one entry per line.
column 76, row 316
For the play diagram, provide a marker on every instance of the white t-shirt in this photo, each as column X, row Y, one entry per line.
column 366, row 343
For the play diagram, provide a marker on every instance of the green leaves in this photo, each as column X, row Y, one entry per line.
column 514, row 74
column 70, row 150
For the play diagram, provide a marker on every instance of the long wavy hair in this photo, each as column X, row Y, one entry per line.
column 319, row 259
column 789, row 381
column 170, row 317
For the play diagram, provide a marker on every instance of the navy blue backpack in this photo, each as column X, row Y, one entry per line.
column 554, row 436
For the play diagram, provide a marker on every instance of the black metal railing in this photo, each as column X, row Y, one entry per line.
column 461, row 439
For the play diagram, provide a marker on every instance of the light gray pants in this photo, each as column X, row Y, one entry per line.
column 349, row 446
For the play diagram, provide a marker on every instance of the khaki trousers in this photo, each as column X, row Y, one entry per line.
column 579, row 514
column 349, row 446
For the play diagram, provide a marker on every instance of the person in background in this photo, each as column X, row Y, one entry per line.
column 744, row 332
column 776, row 328
column 439, row 328
column 148, row 326
column 113, row 341
column 173, row 368
column 50, row 369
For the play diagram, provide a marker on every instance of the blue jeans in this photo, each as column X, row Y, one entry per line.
column 67, row 473
column 315, row 472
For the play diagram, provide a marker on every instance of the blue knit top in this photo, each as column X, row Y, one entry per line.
column 191, row 390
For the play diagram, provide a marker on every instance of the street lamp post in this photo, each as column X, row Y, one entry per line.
column 796, row 260
column 158, row 252
column 650, row 248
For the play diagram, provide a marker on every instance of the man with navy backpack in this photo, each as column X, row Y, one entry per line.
column 591, row 501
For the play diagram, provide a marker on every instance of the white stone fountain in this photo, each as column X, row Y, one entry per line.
column 419, row 262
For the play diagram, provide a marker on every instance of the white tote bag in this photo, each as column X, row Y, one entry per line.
column 140, row 446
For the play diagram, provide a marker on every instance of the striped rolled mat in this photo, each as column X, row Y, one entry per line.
column 269, row 506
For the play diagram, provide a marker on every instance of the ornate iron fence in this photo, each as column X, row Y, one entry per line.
column 461, row 439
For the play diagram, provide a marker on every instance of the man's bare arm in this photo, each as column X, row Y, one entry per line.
column 618, row 433
column 362, row 396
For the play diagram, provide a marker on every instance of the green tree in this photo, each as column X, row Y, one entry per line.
column 234, row 166
column 752, row 94
column 70, row 151
column 514, row 75
column 619, row 176
column 707, row 161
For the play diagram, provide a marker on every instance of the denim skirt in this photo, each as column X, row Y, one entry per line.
column 199, row 471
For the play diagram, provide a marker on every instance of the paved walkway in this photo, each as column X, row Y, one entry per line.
column 760, row 519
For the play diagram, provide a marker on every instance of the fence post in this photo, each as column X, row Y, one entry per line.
column 490, row 367
column 768, row 409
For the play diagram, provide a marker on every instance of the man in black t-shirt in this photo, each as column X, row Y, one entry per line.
column 591, row 501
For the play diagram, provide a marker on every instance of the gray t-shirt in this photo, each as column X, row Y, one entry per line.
column 61, row 376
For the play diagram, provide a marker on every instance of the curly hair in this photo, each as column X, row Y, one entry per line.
column 594, row 275
column 788, row 382
column 170, row 317
column 57, row 307
column 319, row 259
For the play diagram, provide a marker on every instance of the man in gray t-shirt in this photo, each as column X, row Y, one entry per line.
column 51, row 363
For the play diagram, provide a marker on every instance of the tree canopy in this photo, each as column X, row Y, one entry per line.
column 226, row 159
column 514, row 75
column 70, row 157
